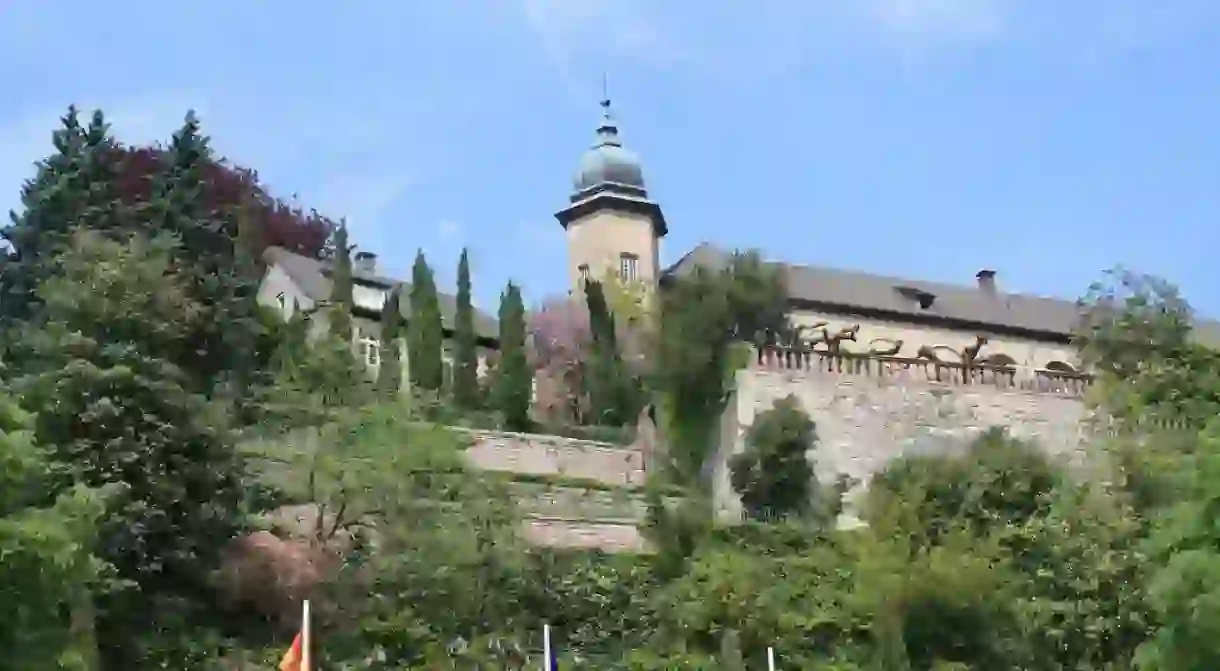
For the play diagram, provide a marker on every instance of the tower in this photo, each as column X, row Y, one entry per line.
column 612, row 226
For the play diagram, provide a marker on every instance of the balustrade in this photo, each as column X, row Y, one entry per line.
column 906, row 369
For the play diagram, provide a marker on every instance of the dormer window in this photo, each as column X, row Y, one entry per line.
column 917, row 295
column 628, row 267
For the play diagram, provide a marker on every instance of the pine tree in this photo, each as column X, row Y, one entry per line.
column 513, row 383
column 73, row 186
column 341, row 301
column 425, row 331
column 466, row 371
column 389, row 376
column 224, row 350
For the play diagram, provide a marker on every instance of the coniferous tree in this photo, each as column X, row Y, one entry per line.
column 466, row 364
column 611, row 390
column 513, row 383
column 74, row 182
column 341, row 286
column 113, row 408
column 224, row 350
column 425, row 329
column 389, row 377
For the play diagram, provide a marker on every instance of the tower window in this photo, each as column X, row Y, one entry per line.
column 628, row 267
column 583, row 269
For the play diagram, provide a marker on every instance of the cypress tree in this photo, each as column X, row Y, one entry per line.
column 612, row 393
column 466, row 371
column 425, row 332
column 389, row 377
column 513, row 383
column 341, row 300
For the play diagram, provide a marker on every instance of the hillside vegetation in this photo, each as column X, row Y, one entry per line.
column 181, row 467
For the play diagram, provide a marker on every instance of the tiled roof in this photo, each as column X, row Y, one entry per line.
column 312, row 276
column 897, row 298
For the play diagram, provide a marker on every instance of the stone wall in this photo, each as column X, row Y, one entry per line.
column 567, row 515
column 870, row 409
column 606, row 536
column 536, row 454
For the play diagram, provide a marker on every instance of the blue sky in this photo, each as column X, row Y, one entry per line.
column 925, row 138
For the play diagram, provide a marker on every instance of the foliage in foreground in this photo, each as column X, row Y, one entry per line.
column 121, row 480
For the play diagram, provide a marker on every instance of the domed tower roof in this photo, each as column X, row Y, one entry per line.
column 607, row 161
column 610, row 177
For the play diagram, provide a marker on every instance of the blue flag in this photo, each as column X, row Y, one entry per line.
column 550, row 660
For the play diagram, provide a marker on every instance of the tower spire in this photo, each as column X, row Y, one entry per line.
column 607, row 131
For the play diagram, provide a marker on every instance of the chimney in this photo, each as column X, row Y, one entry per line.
column 986, row 278
column 365, row 263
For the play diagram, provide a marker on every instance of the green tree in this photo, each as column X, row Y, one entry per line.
column 792, row 591
column 1066, row 566
column 48, row 560
column 447, row 562
column 773, row 476
column 222, row 353
column 613, row 393
column 513, row 381
column 341, row 302
column 114, row 409
column 466, row 357
column 72, row 185
column 1137, row 334
column 389, row 377
column 425, row 330
column 703, row 315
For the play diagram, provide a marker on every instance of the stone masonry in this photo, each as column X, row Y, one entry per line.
column 537, row 454
column 871, row 409
column 569, row 516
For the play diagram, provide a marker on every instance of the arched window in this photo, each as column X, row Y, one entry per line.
column 1060, row 367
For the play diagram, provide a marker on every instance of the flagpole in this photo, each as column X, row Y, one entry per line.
column 306, row 648
column 770, row 658
column 546, row 647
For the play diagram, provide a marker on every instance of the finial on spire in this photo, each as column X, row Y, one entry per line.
column 605, row 103
column 607, row 131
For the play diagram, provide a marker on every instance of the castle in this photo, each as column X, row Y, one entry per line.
column 894, row 365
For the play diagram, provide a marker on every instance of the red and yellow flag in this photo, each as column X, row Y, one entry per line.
column 297, row 657
column 293, row 658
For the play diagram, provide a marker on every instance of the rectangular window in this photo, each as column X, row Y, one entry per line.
column 628, row 267
column 368, row 349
